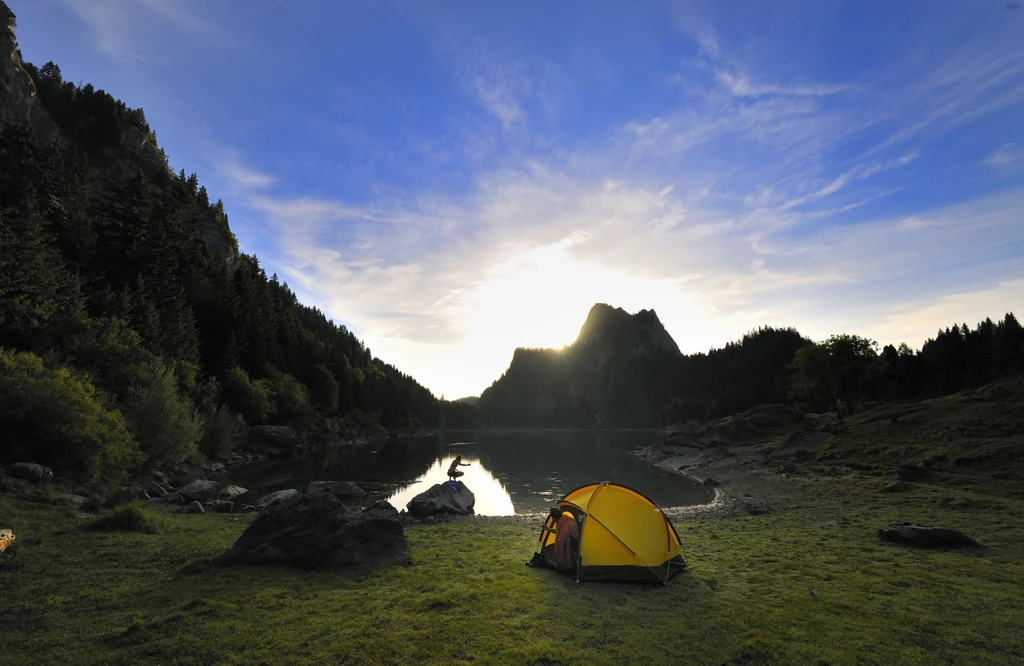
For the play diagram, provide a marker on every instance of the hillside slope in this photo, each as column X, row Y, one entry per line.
column 127, row 276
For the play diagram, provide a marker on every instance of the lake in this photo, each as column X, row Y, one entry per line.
column 509, row 472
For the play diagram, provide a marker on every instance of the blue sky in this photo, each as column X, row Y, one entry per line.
column 453, row 180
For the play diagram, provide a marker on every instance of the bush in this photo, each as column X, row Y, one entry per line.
column 252, row 399
column 291, row 398
column 127, row 518
column 165, row 423
column 50, row 416
column 221, row 433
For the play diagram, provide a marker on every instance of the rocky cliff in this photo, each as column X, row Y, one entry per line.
column 19, row 103
column 616, row 373
column 116, row 162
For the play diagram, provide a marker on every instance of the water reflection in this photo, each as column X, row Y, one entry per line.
column 510, row 472
column 492, row 499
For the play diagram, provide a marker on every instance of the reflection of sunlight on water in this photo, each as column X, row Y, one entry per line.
column 491, row 497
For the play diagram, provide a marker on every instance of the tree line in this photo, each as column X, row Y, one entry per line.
column 132, row 331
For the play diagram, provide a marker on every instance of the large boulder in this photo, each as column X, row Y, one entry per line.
column 200, row 490
column 925, row 537
column 340, row 489
column 320, row 531
column 275, row 498
column 273, row 440
column 447, row 497
column 30, row 472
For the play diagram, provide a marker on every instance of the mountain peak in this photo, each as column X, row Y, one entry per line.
column 643, row 330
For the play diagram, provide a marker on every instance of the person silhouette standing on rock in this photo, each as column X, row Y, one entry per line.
column 453, row 470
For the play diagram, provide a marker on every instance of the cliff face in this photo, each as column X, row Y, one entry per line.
column 19, row 103
column 616, row 373
column 134, row 150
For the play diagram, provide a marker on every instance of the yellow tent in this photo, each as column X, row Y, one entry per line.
column 610, row 532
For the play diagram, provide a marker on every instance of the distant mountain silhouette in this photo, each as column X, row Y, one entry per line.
column 613, row 374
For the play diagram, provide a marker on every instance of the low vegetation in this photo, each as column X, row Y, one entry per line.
column 127, row 518
column 808, row 582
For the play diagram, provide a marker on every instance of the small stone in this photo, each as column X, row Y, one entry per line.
column 73, row 501
column 221, row 506
column 710, row 482
column 194, row 507
column 229, row 492
column 897, row 487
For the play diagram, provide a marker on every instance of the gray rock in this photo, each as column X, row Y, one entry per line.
column 175, row 498
column 340, row 489
column 273, row 440
column 710, row 482
column 320, row 531
column 897, row 487
column 221, row 506
column 200, row 490
column 73, row 501
column 441, row 498
column 228, row 492
column 193, row 507
column 127, row 495
column 925, row 537
column 30, row 472
column 150, row 487
column 160, row 478
column 275, row 498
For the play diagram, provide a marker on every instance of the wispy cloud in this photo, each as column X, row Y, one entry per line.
column 1007, row 155
column 741, row 86
column 116, row 25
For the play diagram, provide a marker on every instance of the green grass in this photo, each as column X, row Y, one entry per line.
column 128, row 518
column 810, row 585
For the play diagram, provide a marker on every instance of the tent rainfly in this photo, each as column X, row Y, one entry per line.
column 622, row 536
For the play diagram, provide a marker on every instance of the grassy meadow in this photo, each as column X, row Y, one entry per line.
column 807, row 583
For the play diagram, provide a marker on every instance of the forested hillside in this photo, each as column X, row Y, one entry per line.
column 131, row 329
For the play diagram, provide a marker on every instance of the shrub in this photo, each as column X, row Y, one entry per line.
column 164, row 422
column 50, row 416
column 252, row 399
column 291, row 398
column 127, row 518
column 221, row 433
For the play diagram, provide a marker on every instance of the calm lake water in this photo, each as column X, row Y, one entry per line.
column 509, row 473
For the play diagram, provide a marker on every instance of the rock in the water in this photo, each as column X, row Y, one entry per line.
column 710, row 482
column 73, row 501
column 275, row 498
column 442, row 498
column 194, row 507
column 231, row 491
column 925, row 537
column 320, row 531
column 339, row 489
column 200, row 490
column 30, row 472
column 221, row 506
column 898, row 487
